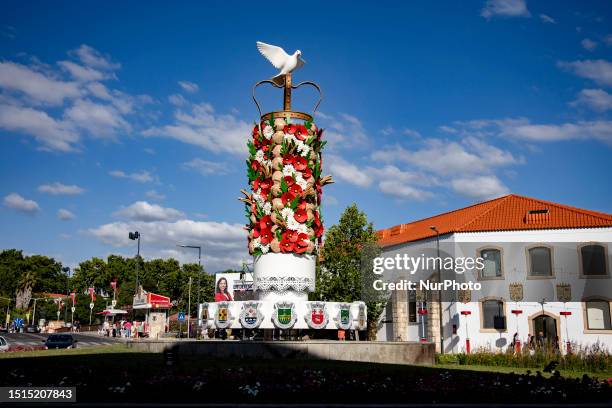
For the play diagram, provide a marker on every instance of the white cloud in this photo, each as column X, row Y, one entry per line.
column 588, row 44
column 441, row 157
column 154, row 195
column 547, row 19
column 93, row 58
column 51, row 133
column 447, row 129
column 481, row 187
column 599, row 71
column 177, row 100
column 189, row 86
column 343, row 170
column 608, row 39
column 505, row 8
column 219, row 133
column 344, row 131
column 411, row 133
column 65, row 215
column 58, row 188
column 389, row 130
column 596, row 99
column 205, row 167
column 38, row 87
column 140, row 177
column 523, row 129
column 224, row 243
column 401, row 190
column 18, row 203
column 143, row 211
column 97, row 119
column 81, row 73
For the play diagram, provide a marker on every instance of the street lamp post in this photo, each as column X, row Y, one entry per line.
column 189, row 309
column 8, row 305
column 199, row 248
column 136, row 236
column 66, row 270
column 438, row 262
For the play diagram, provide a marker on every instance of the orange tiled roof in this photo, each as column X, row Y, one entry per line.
column 507, row 213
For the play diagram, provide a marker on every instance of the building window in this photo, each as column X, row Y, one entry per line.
column 593, row 258
column 493, row 316
column 540, row 261
column 598, row 315
column 492, row 259
column 412, row 307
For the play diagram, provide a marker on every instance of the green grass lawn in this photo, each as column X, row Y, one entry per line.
column 522, row 370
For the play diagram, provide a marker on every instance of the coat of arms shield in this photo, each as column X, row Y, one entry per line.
column 223, row 316
column 343, row 319
column 362, row 318
column 284, row 316
column 250, row 316
column 316, row 317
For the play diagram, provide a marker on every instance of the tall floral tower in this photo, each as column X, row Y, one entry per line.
column 282, row 205
column 283, row 208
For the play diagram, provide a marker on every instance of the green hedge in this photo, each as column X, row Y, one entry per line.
column 593, row 358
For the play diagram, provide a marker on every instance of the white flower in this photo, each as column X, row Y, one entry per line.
column 259, row 156
column 289, row 138
column 257, row 243
column 299, row 180
column 267, row 208
column 268, row 132
column 287, row 213
column 288, row 170
column 265, row 248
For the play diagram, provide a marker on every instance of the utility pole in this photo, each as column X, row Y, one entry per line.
column 199, row 248
column 189, row 309
column 438, row 264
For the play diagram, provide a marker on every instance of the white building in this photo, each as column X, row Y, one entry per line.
column 549, row 252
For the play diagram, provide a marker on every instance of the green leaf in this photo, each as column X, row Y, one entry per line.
column 295, row 203
column 252, row 149
column 271, row 122
column 284, row 186
column 279, row 235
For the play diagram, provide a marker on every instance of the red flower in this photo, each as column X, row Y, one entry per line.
column 265, row 236
column 266, row 184
column 290, row 236
column 256, row 232
column 307, row 173
column 286, row 246
column 300, row 216
column 266, row 222
column 265, row 148
column 265, row 192
column 301, row 132
column 255, row 130
column 287, row 197
column 289, row 180
column 291, row 129
column 302, row 205
column 255, row 165
column 300, row 163
column 302, row 243
column 256, row 184
column 318, row 227
column 296, row 190
column 287, row 160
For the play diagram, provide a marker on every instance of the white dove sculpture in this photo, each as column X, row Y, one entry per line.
column 281, row 60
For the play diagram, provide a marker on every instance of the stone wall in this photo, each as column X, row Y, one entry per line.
column 370, row 352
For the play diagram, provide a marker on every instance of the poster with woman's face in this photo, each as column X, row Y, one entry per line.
column 224, row 286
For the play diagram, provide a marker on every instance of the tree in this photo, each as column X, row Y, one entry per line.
column 344, row 272
column 23, row 295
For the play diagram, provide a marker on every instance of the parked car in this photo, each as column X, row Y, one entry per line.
column 4, row 346
column 3, row 329
column 60, row 341
column 32, row 329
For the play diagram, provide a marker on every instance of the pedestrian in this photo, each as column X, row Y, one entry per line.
column 128, row 329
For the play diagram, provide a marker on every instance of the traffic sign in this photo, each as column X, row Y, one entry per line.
column 91, row 305
column 72, row 309
column 181, row 316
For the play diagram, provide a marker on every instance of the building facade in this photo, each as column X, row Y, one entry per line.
column 544, row 272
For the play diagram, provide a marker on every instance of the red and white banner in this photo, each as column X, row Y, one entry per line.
column 92, row 294
column 114, row 285
column 73, row 297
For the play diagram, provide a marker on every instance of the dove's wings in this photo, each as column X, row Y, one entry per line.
column 276, row 55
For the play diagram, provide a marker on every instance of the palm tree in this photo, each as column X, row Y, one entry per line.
column 24, row 290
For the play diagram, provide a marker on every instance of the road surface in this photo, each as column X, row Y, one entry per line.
column 36, row 339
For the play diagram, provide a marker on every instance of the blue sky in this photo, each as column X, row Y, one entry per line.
column 122, row 117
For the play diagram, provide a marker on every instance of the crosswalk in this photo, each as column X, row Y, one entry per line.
column 37, row 339
column 30, row 343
